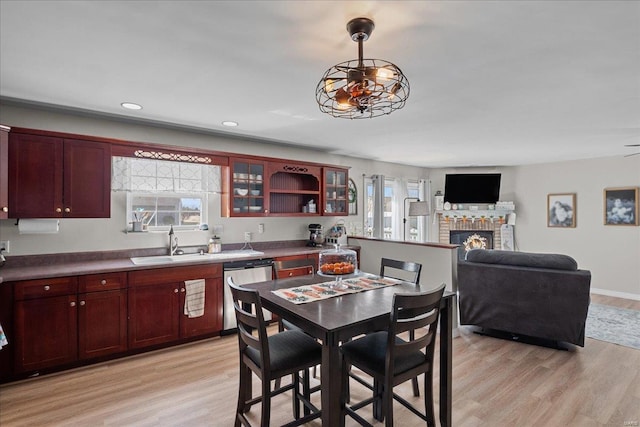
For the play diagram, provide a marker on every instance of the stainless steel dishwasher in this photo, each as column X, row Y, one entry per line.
column 242, row 273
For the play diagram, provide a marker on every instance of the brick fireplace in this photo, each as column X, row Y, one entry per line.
column 456, row 228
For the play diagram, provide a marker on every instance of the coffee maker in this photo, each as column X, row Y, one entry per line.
column 315, row 235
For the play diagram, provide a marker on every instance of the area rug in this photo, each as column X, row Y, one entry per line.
column 615, row 325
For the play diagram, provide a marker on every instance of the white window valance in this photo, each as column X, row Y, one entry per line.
column 156, row 176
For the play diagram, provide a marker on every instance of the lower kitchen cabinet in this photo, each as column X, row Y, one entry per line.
column 46, row 332
column 102, row 314
column 156, row 304
column 61, row 320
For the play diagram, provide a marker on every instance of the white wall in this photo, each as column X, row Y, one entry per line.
column 77, row 235
column 612, row 253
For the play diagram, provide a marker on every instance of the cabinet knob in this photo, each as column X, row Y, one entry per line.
column 5, row 209
column 72, row 304
column 82, row 302
column 47, row 287
column 175, row 291
column 67, row 210
column 182, row 290
column 290, row 274
column 103, row 282
column 58, row 210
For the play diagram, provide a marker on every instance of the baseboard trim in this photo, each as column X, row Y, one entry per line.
column 625, row 295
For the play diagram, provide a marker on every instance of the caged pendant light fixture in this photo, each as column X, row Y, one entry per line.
column 362, row 88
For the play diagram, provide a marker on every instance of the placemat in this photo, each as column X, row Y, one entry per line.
column 320, row 291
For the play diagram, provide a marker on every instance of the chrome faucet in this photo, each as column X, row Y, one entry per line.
column 173, row 242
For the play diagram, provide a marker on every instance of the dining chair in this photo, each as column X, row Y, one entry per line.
column 391, row 360
column 403, row 270
column 410, row 272
column 270, row 357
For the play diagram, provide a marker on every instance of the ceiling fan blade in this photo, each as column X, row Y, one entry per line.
column 632, row 145
column 632, row 154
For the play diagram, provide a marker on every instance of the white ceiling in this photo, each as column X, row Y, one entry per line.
column 492, row 82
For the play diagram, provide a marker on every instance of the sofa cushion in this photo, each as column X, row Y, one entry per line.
column 524, row 259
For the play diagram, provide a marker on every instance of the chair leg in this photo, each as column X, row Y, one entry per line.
column 296, row 390
column 243, row 388
column 387, row 406
column 378, row 400
column 306, row 389
column 266, row 403
column 428, row 399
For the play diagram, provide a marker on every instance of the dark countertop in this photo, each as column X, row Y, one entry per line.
column 71, row 264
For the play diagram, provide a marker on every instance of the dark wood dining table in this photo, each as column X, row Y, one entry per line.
column 337, row 319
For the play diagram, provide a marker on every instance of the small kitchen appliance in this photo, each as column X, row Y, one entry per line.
column 337, row 234
column 315, row 235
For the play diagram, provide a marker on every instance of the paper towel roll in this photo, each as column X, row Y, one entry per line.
column 38, row 226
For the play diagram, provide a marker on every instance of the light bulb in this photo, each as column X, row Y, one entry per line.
column 385, row 74
column 328, row 85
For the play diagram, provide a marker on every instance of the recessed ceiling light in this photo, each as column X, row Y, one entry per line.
column 131, row 106
column 229, row 123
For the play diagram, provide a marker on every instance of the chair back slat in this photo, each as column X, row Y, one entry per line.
column 414, row 312
column 252, row 331
column 403, row 270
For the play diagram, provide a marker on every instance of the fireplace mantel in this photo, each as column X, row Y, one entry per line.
column 480, row 220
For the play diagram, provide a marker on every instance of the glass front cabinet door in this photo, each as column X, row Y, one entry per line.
column 247, row 188
column 335, row 191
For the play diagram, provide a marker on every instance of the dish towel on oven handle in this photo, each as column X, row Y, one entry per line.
column 194, row 298
column 3, row 338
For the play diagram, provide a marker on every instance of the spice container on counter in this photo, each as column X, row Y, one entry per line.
column 215, row 245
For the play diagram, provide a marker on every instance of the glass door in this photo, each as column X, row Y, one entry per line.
column 335, row 192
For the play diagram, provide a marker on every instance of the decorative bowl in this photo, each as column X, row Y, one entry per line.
column 255, row 192
column 242, row 191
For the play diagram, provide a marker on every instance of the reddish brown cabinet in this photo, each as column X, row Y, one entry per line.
column 46, row 332
column 61, row 320
column 156, row 304
column 51, row 177
column 247, row 189
column 335, row 189
column 292, row 187
column 102, row 314
column 4, row 172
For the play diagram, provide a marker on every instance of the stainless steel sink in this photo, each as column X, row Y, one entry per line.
column 167, row 259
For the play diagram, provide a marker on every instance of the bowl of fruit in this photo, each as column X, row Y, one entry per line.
column 337, row 263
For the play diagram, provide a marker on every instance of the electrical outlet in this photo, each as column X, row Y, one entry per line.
column 260, row 228
column 4, row 246
column 247, row 236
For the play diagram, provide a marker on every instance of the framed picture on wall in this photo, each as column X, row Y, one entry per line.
column 561, row 210
column 621, row 206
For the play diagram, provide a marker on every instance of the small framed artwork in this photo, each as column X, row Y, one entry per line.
column 561, row 210
column 621, row 206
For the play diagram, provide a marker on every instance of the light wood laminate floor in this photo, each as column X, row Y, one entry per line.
column 495, row 383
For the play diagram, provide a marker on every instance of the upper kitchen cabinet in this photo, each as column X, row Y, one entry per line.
column 245, row 188
column 4, row 172
column 294, row 189
column 335, row 191
column 51, row 177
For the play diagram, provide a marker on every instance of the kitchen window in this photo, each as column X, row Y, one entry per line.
column 163, row 193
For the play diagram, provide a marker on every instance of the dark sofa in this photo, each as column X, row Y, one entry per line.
column 531, row 294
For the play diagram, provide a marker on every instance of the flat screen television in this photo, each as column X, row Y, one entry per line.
column 472, row 188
